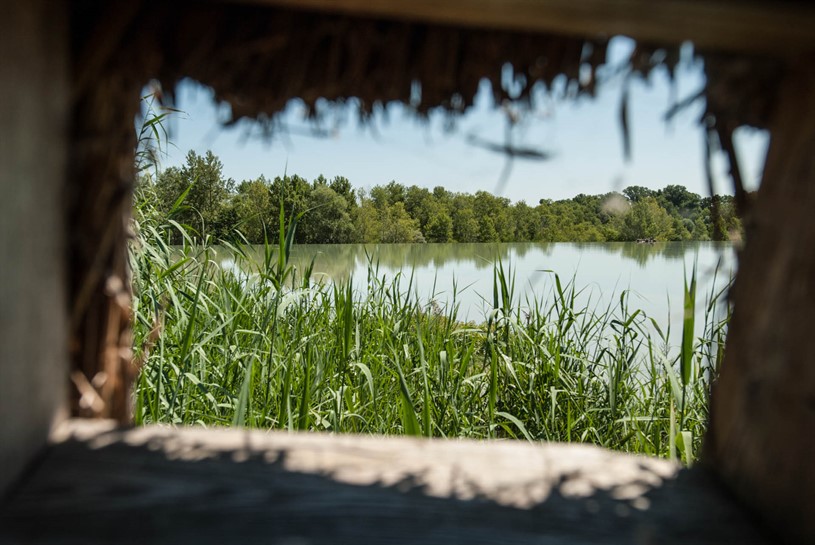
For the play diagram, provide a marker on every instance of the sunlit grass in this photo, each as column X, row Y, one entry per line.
column 261, row 345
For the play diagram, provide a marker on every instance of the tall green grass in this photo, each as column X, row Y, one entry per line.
column 259, row 344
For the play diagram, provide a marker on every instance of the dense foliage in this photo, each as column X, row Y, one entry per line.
column 258, row 344
column 198, row 197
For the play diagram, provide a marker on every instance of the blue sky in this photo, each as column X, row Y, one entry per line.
column 583, row 136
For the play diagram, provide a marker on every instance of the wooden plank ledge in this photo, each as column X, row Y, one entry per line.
column 100, row 484
column 781, row 28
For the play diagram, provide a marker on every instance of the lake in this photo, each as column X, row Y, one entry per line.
column 654, row 273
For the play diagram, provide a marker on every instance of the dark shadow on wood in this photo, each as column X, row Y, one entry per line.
column 159, row 485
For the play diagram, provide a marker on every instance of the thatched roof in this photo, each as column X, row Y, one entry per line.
column 257, row 57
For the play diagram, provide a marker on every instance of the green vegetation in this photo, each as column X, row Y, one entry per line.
column 260, row 345
column 207, row 204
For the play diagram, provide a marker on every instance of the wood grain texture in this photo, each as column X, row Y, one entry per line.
column 161, row 485
column 763, row 418
column 747, row 26
column 34, row 116
column 107, row 82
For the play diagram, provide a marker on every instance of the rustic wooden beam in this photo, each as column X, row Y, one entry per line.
column 107, row 80
column 763, row 408
column 34, row 117
column 162, row 485
column 748, row 26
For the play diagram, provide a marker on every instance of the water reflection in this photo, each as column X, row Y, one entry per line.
column 642, row 253
column 339, row 261
column 653, row 273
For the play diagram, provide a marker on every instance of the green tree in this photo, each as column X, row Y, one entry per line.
column 327, row 220
column 417, row 203
column 393, row 212
column 438, row 225
column 443, row 196
column 465, row 223
column 676, row 199
column 700, row 229
column 527, row 222
column 573, row 220
column 255, row 210
column 636, row 193
column 295, row 193
column 682, row 228
column 647, row 220
column 343, row 188
column 204, row 205
column 367, row 227
column 380, row 197
column 494, row 220
column 730, row 222
column 395, row 192
column 397, row 226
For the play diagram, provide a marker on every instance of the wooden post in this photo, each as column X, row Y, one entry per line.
column 100, row 198
column 106, row 85
column 762, row 438
column 33, row 322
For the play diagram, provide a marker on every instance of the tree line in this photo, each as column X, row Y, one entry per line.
column 198, row 196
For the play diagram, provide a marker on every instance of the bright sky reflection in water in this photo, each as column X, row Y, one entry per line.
column 653, row 273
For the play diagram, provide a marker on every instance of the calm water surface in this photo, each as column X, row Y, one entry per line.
column 653, row 273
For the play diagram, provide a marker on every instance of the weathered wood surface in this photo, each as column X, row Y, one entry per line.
column 763, row 419
column 105, row 90
column 162, row 485
column 749, row 26
column 33, row 324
